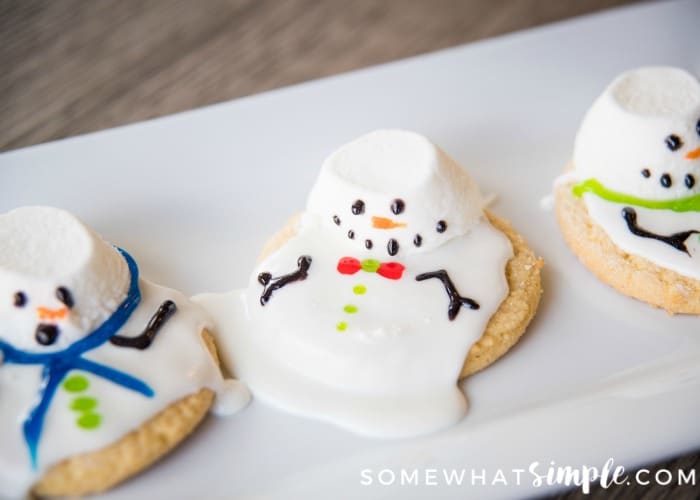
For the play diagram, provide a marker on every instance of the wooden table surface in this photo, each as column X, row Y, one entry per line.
column 73, row 66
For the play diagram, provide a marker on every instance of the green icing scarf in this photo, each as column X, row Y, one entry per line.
column 687, row 204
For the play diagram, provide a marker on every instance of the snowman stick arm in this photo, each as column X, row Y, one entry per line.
column 676, row 240
column 456, row 300
column 271, row 283
column 145, row 339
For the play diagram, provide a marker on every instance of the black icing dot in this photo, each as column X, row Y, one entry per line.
column 64, row 295
column 336, row 219
column 358, row 207
column 397, row 206
column 441, row 226
column 646, row 173
column 689, row 181
column 368, row 244
column 673, row 142
column 20, row 299
column 666, row 181
column 392, row 247
column 697, row 127
column 418, row 240
column 351, row 234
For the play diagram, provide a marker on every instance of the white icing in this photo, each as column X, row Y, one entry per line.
column 624, row 133
column 393, row 371
column 175, row 365
column 608, row 216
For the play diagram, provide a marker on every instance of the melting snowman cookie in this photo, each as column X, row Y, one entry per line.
column 363, row 310
column 96, row 364
column 630, row 206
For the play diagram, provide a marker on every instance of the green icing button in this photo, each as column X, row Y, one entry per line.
column 83, row 404
column 89, row 421
column 359, row 289
column 76, row 383
column 350, row 309
column 342, row 326
column 370, row 265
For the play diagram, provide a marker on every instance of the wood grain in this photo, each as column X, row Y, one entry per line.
column 73, row 66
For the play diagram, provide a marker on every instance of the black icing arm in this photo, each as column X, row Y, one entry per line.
column 676, row 240
column 270, row 283
column 456, row 300
column 145, row 339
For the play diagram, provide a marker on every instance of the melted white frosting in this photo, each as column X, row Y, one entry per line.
column 609, row 216
column 175, row 365
column 393, row 371
column 623, row 136
column 385, row 361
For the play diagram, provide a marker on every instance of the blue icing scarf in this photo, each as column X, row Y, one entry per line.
column 58, row 364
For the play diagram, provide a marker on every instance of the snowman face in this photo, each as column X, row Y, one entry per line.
column 642, row 136
column 38, row 316
column 677, row 169
column 386, row 225
column 58, row 280
column 393, row 192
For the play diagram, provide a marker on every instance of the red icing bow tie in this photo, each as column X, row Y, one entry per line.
column 390, row 270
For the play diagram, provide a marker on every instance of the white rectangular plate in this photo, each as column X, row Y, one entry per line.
column 194, row 196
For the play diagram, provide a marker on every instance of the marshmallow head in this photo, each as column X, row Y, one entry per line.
column 395, row 192
column 642, row 136
column 58, row 280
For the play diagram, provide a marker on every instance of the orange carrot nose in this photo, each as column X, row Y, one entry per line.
column 384, row 223
column 694, row 154
column 51, row 314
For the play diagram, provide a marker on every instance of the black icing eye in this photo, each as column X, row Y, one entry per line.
column 397, row 206
column 64, row 295
column 20, row 299
column 689, row 180
column 673, row 142
column 666, row 181
column 697, row 127
column 646, row 173
column 358, row 207
column 441, row 226
column 336, row 220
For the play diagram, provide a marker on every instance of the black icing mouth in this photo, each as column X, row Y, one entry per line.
column 46, row 334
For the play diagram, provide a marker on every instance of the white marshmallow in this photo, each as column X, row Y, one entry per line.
column 625, row 130
column 42, row 249
column 387, row 165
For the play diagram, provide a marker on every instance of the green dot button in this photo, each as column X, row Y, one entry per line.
column 76, row 383
column 342, row 326
column 350, row 309
column 359, row 289
column 83, row 404
column 89, row 421
column 370, row 265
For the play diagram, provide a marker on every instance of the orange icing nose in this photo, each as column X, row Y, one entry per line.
column 384, row 223
column 51, row 314
column 694, row 154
